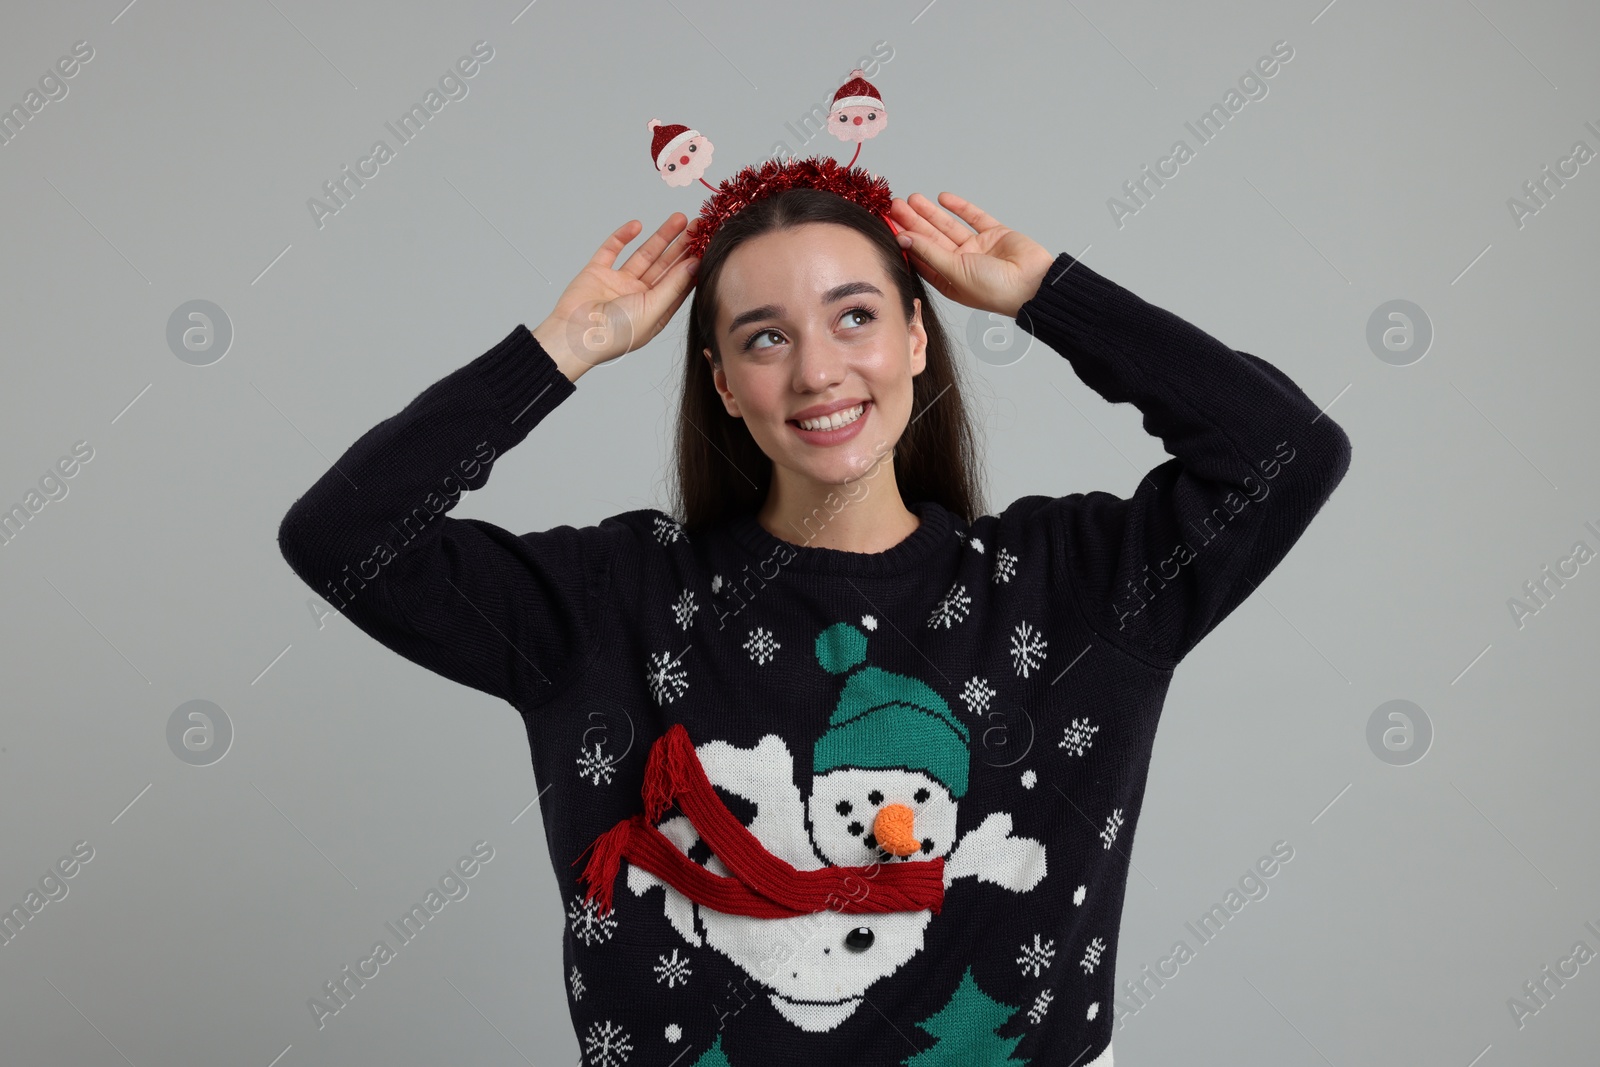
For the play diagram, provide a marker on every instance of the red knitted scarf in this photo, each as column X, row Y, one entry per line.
column 762, row 885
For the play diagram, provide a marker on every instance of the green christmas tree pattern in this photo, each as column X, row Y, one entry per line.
column 965, row 1028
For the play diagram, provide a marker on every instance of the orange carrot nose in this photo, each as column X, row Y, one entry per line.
column 893, row 830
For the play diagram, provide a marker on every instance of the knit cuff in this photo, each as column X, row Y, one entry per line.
column 1070, row 300
column 524, row 381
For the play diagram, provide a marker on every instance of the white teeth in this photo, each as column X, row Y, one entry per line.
column 834, row 421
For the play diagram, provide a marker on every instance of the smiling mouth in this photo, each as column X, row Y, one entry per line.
column 836, row 421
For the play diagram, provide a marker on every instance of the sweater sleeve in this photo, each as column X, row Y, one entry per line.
column 504, row 613
column 1254, row 461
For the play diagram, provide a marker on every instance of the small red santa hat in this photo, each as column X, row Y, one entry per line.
column 857, row 92
column 668, row 140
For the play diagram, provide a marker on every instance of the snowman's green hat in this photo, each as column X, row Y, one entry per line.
column 887, row 720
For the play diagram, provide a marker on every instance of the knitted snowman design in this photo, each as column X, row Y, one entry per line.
column 889, row 772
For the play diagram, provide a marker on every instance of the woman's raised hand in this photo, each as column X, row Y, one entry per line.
column 989, row 266
column 605, row 313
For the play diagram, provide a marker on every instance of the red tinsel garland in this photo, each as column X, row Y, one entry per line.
column 760, row 180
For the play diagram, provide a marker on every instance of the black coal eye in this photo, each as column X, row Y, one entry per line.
column 874, row 798
column 844, row 118
column 843, row 807
column 694, row 148
column 672, row 166
column 920, row 795
column 854, row 828
column 859, row 940
column 871, row 115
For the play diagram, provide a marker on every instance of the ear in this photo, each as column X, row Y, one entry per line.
column 720, row 381
column 919, row 339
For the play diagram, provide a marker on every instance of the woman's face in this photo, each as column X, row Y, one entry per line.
column 808, row 321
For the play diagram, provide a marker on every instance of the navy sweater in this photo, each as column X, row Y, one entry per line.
column 997, row 683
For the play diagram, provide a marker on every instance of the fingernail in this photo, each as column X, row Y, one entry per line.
column 694, row 267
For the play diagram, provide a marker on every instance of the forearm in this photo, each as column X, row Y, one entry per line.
column 384, row 496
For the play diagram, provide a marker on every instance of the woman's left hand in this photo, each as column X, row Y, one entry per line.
column 993, row 269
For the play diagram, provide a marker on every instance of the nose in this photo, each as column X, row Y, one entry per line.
column 684, row 161
column 858, row 120
column 893, row 830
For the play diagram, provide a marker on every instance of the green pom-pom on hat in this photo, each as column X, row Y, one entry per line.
column 884, row 719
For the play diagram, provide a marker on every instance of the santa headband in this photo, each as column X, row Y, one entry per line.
column 682, row 154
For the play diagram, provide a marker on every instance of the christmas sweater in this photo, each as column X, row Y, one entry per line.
column 809, row 806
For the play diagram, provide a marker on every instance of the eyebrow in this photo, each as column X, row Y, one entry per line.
column 772, row 311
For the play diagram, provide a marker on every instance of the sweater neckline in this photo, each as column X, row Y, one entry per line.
column 934, row 528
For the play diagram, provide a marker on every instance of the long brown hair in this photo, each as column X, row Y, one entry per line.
column 722, row 472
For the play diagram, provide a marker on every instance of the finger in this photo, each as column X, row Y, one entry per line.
column 607, row 253
column 670, row 258
column 646, row 253
column 909, row 219
column 662, row 300
column 946, row 223
column 930, row 257
column 971, row 213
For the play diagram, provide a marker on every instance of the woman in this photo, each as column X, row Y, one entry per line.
column 833, row 767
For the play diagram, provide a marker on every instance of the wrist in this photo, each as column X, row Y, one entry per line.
column 552, row 337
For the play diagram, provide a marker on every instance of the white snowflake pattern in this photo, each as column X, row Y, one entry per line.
column 1091, row 956
column 607, row 1044
column 1094, row 1009
column 1113, row 824
column 1027, row 649
column 1041, row 1004
column 976, row 694
column 575, row 980
column 1078, row 894
column 961, row 535
column 587, row 922
column 674, row 971
column 761, row 645
column 1037, row 956
column 977, row 545
column 597, row 764
column 869, row 622
column 668, row 530
column 952, row 609
column 666, row 679
column 1030, row 778
column 1005, row 565
column 674, row 1033
column 683, row 608
column 716, row 583
column 1078, row 736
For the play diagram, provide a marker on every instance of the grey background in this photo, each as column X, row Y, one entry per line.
column 1377, row 167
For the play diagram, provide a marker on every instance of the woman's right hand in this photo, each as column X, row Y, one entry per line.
column 605, row 313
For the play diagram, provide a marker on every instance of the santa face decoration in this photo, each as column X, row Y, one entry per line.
column 857, row 114
column 681, row 155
